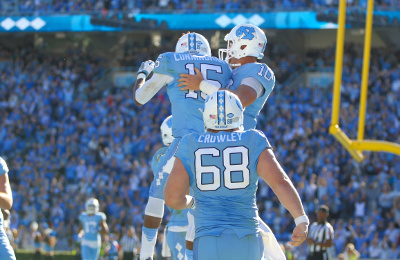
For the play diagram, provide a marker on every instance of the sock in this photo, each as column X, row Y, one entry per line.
column 149, row 237
column 188, row 254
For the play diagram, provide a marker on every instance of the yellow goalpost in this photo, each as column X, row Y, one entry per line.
column 355, row 147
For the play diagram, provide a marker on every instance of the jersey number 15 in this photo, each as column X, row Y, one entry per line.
column 203, row 68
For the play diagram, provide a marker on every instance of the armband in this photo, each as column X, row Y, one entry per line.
column 301, row 219
column 208, row 88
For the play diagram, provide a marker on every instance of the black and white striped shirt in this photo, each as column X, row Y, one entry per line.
column 320, row 233
column 130, row 244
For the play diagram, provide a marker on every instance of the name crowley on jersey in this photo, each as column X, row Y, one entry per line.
column 232, row 137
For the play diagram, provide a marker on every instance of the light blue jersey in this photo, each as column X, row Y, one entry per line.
column 266, row 77
column 162, row 163
column 158, row 162
column 6, row 251
column 222, row 168
column 187, row 106
column 91, row 240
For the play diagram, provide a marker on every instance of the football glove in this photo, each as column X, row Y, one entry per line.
column 146, row 68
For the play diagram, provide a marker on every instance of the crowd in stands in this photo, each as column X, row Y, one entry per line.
column 66, row 140
column 105, row 6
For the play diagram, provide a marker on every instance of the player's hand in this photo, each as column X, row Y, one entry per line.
column 299, row 234
column 309, row 241
column 146, row 67
column 190, row 82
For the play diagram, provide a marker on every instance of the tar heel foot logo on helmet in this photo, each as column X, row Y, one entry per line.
column 244, row 40
column 193, row 43
column 92, row 206
column 223, row 111
column 166, row 131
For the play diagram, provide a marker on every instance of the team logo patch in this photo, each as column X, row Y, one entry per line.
column 247, row 32
column 230, row 115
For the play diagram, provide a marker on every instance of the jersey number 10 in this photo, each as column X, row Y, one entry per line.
column 229, row 168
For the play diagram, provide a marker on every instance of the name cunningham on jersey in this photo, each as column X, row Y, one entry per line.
column 209, row 138
column 179, row 57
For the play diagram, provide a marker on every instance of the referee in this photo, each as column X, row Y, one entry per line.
column 130, row 244
column 320, row 236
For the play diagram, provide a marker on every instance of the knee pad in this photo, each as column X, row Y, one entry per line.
column 155, row 208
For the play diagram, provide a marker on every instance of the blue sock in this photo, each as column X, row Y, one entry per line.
column 150, row 233
column 149, row 237
column 188, row 254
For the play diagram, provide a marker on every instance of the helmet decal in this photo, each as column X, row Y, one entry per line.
column 248, row 32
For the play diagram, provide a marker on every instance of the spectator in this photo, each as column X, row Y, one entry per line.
column 350, row 253
column 374, row 250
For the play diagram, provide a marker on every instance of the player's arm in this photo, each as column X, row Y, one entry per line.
column 270, row 170
column 329, row 234
column 246, row 93
column 81, row 231
column 177, row 187
column 52, row 241
column 104, row 227
column 6, row 200
column 144, row 90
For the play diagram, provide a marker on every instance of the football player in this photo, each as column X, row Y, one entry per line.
column 223, row 166
column 175, row 232
column 6, row 201
column 94, row 225
column 192, row 50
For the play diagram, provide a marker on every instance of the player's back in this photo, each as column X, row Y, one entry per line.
column 91, row 225
column 266, row 77
column 187, row 106
column 222, row 169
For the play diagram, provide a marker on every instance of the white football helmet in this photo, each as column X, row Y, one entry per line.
column 166, row 131
column 193, row 43
column 92, row 206
column 222, row 111
column 244, row 40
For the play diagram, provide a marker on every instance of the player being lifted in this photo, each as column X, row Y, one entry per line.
column 252, row 82
column 192, row 51
column 94, row 224
column 223, row 167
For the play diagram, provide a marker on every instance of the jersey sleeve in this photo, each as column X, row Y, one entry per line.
column 102, row 216
column 260, row 140
column 156, row 158
column 162, row 64
column 80, row 217
column 264, row 75
column 3, row 167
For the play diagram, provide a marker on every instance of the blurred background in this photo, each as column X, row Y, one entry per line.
column 70, row 129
